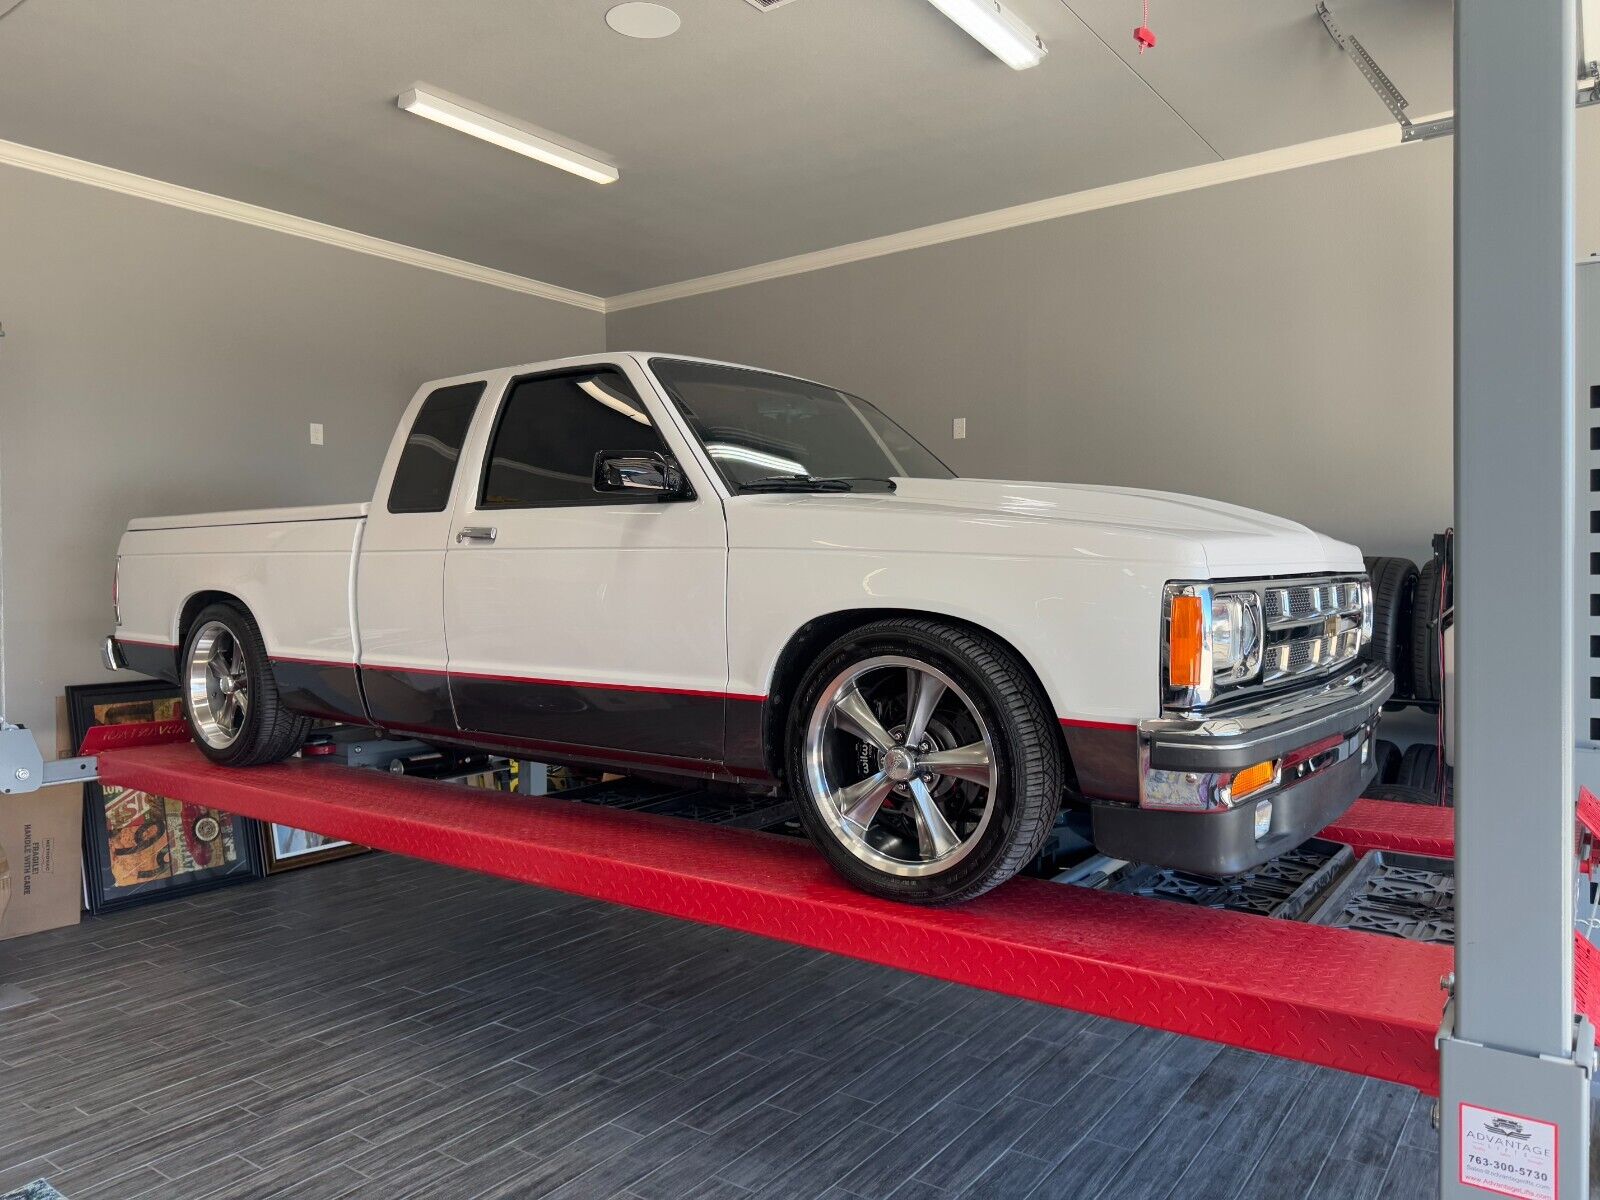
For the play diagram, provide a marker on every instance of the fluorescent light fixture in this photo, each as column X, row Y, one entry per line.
column 507, row 133
column 998, row 28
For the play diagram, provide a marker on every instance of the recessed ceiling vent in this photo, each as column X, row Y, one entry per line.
column 768, row 5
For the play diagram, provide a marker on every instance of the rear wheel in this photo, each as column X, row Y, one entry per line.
column 230, row 696
column 1427, row 680
column 925, row 765
column 1387, row 755
column 1394, row 580
column 1420, row 767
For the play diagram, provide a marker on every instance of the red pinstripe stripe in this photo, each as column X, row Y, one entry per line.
column 127, row 641
column 569, row 683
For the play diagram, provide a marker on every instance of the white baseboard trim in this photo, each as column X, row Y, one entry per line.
column 62, row 167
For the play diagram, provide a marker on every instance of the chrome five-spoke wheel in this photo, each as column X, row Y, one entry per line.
column 236, row 711
column 218, row 681
column 902, row 765
column 924, row 759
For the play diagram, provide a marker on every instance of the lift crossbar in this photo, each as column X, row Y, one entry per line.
column 1334, row 997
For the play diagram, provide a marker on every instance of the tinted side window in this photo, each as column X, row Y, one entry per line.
column 428, row 463
column 549, row 431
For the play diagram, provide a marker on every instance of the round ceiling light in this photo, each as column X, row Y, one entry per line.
column 644, row 20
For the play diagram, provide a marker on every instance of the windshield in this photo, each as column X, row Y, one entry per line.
column 757, row 426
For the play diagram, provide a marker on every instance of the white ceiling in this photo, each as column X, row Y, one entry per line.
column 743, row 138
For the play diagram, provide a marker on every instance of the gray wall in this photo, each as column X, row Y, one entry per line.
column 159, row 361
column 1282, row 342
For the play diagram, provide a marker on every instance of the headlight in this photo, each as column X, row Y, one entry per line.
column 1235, row 636
column 1366, row 611
column 1212, row 641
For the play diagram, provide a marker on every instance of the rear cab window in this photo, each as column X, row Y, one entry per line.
column 427, row 468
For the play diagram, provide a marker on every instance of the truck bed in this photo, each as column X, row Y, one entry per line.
column 293, row 568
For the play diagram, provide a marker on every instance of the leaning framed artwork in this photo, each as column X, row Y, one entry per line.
column 284, row 848
column 138, row 847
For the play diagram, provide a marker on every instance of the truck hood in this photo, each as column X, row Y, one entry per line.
column 995, row 516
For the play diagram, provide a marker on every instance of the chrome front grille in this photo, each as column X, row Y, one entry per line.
column 1310, row 602
column 1313, row 626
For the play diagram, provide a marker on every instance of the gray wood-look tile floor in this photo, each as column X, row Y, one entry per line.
column 384, row 1027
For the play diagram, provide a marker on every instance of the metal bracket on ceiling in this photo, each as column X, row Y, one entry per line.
column 1394, row 100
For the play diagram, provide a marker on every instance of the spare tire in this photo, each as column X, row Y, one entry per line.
column 1387, row 756
column 1426, row 678
column 1394, row 580
column 1400, row 794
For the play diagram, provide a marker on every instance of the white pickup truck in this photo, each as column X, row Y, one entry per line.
column 662, row 564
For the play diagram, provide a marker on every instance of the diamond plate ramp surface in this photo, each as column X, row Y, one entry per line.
column 1342, row 999
column 1424, row 829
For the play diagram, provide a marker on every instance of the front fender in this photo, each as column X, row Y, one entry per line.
column 1089, row 629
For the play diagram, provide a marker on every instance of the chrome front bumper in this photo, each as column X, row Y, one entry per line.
column 111, row 655
column 1319, row 747
column 1270, row 728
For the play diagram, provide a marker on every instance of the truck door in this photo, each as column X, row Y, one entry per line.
column 400, row 568
column 584, row 624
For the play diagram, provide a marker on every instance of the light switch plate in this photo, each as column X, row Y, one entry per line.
column 316, row 434
column 959, row 429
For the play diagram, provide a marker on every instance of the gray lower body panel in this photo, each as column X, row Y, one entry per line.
column 1225, row 842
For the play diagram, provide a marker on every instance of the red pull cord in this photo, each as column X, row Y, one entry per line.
column 1144, row 36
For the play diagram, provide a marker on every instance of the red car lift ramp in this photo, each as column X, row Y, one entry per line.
column 1425, row 829
column 1338, row 998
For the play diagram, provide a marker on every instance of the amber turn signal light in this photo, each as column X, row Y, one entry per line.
column 1253, row 779
column 1185, row 641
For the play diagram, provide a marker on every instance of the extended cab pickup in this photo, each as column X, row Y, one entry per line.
column 661, row 564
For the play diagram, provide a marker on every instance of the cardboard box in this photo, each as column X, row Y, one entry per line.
column 41, row 854
column 41, row 836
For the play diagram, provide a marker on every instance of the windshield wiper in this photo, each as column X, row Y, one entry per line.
column 796, row 483
column 810, row 483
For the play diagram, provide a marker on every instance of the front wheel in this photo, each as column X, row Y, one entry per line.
column 924, row 762
column 230, row 696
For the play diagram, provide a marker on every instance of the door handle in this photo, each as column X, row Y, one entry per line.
column 476, row 533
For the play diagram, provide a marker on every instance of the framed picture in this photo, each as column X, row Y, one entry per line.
column 283, row 848
column 138, row 847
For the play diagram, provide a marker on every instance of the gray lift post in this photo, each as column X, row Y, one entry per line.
column 1515, row 1061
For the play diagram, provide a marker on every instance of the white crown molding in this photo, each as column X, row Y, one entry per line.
column 1132, row 191
column 1228, row 170
column 62, row 167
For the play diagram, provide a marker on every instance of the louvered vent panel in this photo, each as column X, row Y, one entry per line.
column 768, row 5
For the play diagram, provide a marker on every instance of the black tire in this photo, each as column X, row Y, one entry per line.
column 269, row 732
column 1400, row 794
column 1387, row 756
column 1420, row 766
column 1394, row 582
column 1028, row 755
column 1426, row 680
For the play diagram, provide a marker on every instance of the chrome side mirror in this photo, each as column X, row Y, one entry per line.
column 649, row 473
